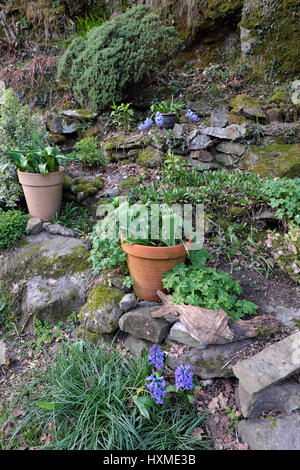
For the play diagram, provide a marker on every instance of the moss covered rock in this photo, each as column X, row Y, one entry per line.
column 101, row 313
column 273, row 30
column 150, row 157
column 276, row 160
column 244, row 104
column 128, row 183
column 51, row 273
column 82, row 187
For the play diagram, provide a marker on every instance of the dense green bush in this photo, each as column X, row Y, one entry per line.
column 17, row 126
column 116, row 55
column 89, row 152
column 12, row 227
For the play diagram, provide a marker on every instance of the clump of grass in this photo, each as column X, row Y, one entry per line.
column 87, row 404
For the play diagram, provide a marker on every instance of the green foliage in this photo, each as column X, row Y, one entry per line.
column 122, row 115
column 197, row 284
column 17, row 126
column 90, row 20
column 73, row 217
column 12, row 227
column 106, row 252
column 89, row 152
column 45, row 334
column 87, row 396
column 284, row 194
column 36, row 158
column 164, row 107
column 116, row 55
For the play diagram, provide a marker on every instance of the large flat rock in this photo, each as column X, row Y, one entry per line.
column 271, row 365
column 271, row 433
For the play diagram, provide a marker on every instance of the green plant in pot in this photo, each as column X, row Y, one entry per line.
column 151, row 248
column 41, row 175
column 166, row 114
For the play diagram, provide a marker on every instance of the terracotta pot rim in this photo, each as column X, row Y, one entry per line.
column 61, row 170
column 155, row 252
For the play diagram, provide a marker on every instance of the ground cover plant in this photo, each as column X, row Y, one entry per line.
column 86, row 401
column 12, row 227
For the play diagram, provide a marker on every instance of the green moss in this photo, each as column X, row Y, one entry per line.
column 101, row 296
column 279, row 98
column 266, row 332
column 296, row 323
column 33, row 262
column 237, row 119
column 67, row 183
column 275, row 28
column 128, row 183
column 114, row 143
column 277, row 160
column 149, row 158
column 241, row 102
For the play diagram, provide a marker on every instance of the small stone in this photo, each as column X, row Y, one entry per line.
column 128, row 302
column 202, row 155
column 141, row 324
column 3, row 355
column 177, row 131
column 226, row 159
column 57, row 229
column 254, row 112
column 289, row 316
column 34, row 226
column 219, row 118
column 233, row 132
column 231, row 148
column 271, row 433
column 201, row 142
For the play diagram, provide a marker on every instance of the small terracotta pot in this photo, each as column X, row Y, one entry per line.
column 42, row 193
column 147, row 263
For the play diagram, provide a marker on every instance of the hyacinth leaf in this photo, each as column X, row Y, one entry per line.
column 143, row 403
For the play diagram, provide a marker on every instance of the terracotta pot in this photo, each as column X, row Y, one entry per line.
column 147, row 263
column 42, row 193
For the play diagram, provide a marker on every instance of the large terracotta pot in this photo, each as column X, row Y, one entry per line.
column 146, row 265
column 42, row 193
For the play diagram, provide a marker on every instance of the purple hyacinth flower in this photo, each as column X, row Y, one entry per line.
column 158, row 119
column 184, row 378
column 193, row 116
column 156, row 386
column 145, row 125
column 156, row 357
